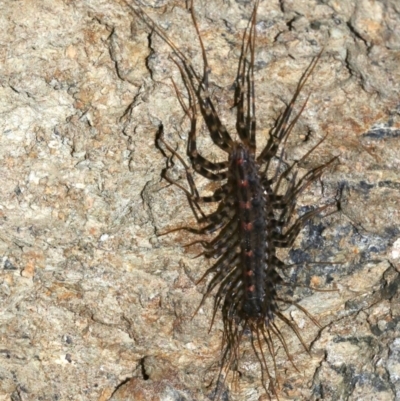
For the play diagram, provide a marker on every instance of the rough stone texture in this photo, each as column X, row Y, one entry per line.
column 95, row 306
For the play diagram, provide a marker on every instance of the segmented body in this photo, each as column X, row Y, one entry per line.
column 256, row 204
column 251, row 205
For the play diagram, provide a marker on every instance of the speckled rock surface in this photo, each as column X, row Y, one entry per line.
column 95, row 306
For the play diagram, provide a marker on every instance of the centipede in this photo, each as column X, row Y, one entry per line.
column 255, row 205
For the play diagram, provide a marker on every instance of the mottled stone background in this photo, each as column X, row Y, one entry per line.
column 95, row 306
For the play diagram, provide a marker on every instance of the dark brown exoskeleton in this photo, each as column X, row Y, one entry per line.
column 255, row 209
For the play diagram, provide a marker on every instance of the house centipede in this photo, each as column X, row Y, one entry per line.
column 255, row 208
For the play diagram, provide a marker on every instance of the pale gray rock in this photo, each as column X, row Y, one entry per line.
column 94, row 305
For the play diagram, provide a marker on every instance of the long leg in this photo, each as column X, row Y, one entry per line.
column 246, row 127
column 200, row 164
column 218, row 132
column 287, row 201
column 262, row 360
column 307, row 178
column 217, row 219
column 286, row 240
column 282, row 128
column 193, row 193
column 193, row 196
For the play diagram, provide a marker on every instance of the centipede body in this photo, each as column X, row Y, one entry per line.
column 256, row 204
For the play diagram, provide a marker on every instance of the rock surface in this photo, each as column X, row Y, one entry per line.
column 94, row 305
